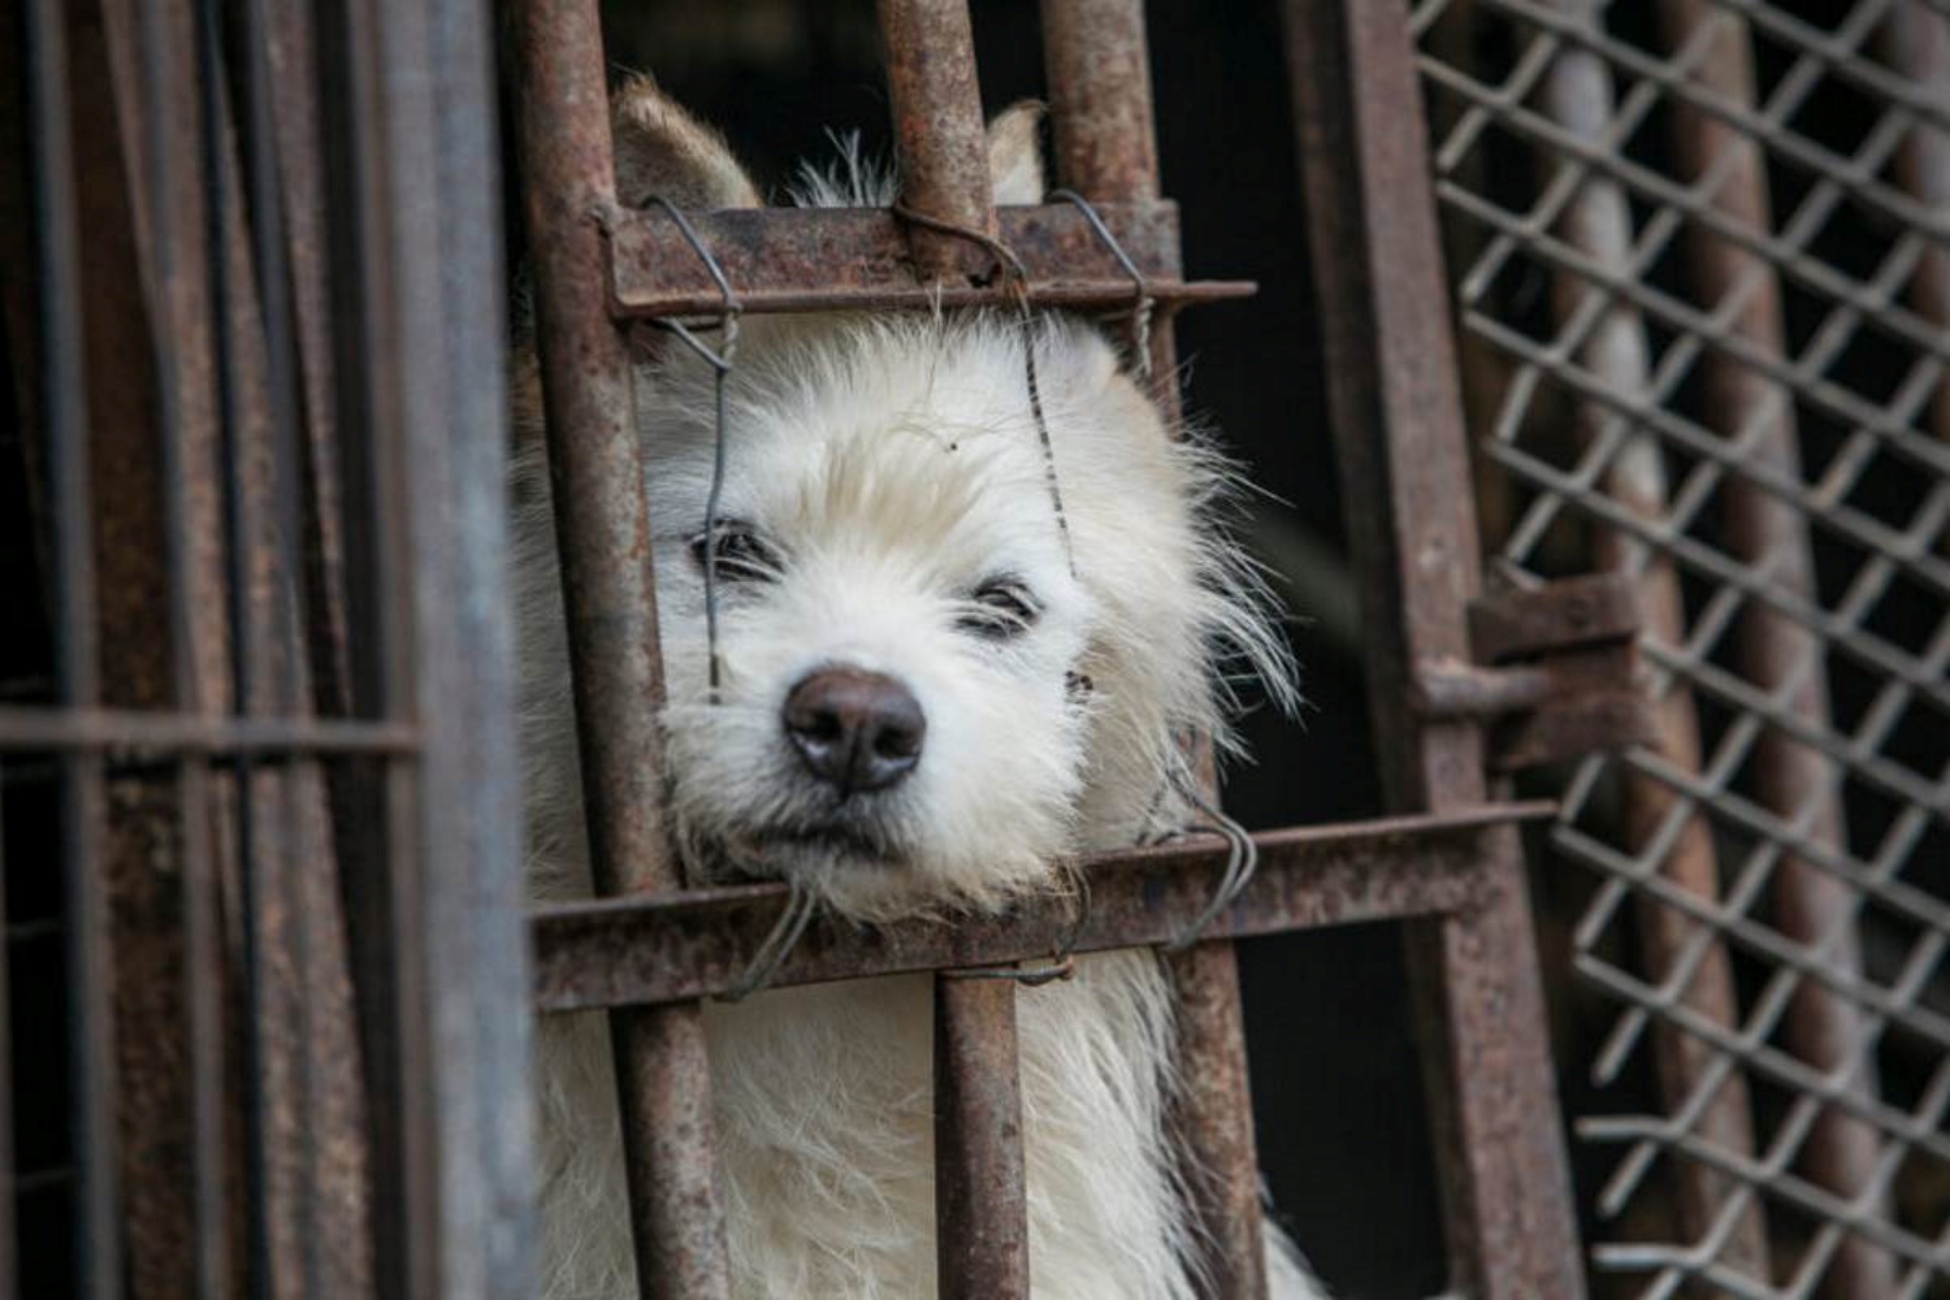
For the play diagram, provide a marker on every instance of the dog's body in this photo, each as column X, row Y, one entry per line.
column 936, row 681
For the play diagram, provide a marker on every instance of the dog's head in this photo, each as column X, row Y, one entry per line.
column 935, row 679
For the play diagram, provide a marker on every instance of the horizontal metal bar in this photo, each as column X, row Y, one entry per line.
column 848, row 259
column 696, row 943
column 134, row 731
column 1450, row 688
column 1562, row 615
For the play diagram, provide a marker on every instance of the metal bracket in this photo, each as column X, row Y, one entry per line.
column 1556, row 672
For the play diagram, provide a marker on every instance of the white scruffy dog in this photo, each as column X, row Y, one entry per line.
column 930, row 696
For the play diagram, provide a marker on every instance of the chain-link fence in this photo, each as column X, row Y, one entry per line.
column 1698, row 252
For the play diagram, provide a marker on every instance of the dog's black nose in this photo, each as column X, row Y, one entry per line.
column 855, row 729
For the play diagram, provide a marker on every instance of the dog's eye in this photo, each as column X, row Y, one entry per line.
column 999, row 609
column 742, row 555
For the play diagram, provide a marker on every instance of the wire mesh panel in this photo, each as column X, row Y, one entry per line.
column 1697, row 251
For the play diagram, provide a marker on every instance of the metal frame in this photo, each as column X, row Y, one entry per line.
column 651, row 949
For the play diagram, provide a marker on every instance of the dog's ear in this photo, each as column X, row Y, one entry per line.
column 1016, row 154
column 664, row 152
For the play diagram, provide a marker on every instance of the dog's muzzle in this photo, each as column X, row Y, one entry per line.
column 854, row 730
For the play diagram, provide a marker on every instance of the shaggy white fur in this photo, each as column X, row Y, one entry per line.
column 882, row 474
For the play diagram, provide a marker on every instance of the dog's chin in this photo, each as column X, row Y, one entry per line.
column 783, row 851
column 860, row 871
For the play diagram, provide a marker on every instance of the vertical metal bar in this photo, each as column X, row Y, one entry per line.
column 1402, row 450
column 978, row 1141
column 383, row 881
column 325, row 1109
column 161, row 85
column 1579, row 94
column 1213, row 1111
column 143, row 824
column 1776, row 654
column 1099, row 72
column 938, row 133
column 981, row 1208
column 63, row 404
column 1097, row 60
column 425, row 327
column 278, row 1193
column 179, row 324
column 596, row 471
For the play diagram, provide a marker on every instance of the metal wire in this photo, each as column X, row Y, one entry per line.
column 720, row 360
column 1009, row 266
column 1735, row 341
column 1242, row 860
column 1144, row 306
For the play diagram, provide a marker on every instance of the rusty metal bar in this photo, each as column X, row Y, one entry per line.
column 938, row 135
column 64, row 409
column 1397, row 416
column 981, row 1205
column 848, row 259
column 1451, row 689
column 1098, row 63
column 697, row 943
column 306, row 1154
column 408, row 94
column 142, row 814
column 978, row 1181
column 1213, row 1115
column 1694, row 1079
column 568, row 185
column 1779, row 657
column 325, row 1121
column 981, row 1199
column 179, row 334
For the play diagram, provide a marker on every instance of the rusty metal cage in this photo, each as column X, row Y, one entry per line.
column 251, row 295
column 1698, row 256
column 254, row 758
